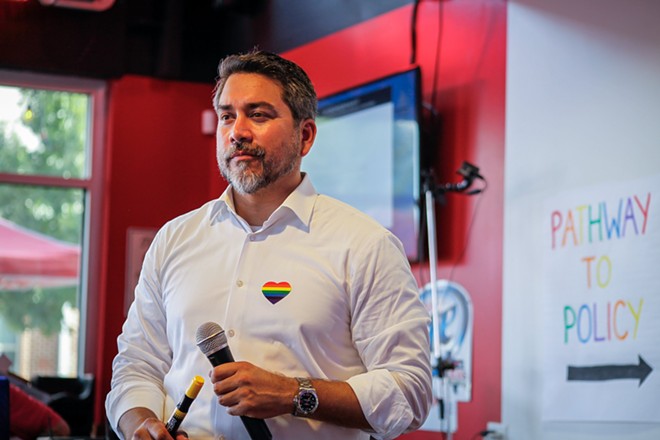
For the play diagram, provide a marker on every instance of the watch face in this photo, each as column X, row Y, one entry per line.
column 307, row 402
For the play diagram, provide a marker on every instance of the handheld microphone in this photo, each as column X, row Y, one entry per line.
column 183, row 406
column 212, row 341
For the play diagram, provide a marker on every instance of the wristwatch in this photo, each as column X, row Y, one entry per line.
column 306, row 401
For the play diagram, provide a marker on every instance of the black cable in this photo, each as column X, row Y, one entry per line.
column 413, row 33
column 431, row 129
column 433, row 121
column 436, row 68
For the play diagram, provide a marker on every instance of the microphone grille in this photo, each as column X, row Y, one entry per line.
column 210, row 338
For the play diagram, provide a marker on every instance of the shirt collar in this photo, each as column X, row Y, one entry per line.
column 300, row 202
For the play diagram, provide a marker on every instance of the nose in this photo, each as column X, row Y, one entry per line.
column 240, row 131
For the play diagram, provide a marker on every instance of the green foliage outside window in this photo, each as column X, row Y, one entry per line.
column 51, row 142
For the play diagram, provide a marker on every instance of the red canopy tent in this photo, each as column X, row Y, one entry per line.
column 29, row 259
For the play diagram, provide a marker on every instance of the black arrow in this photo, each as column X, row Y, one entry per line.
column 611, row 372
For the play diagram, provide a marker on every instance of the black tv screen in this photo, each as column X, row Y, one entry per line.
column 367, row 152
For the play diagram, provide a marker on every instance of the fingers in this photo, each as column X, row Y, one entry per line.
column 246, row 390
column 237, row 392
column 228, row 378
column 151, row 428
column 237, row 384
column 227, row 370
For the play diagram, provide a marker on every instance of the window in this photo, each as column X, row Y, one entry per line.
column 51, row 131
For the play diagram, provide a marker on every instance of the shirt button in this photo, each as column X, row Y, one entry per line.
column 231, row 333
column 252, row 238
column 239, row 283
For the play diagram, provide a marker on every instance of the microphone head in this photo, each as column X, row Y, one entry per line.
column 210, row 338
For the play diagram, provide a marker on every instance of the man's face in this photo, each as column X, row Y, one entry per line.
column 258, row 141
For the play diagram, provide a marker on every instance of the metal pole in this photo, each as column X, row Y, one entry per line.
column 433, row 265
column 445, row 422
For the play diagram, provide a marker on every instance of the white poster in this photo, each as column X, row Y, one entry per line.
column 601, row 303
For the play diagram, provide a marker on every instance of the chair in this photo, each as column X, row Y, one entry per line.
column 72, row 398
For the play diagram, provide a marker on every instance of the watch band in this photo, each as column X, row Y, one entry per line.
column 304, row 382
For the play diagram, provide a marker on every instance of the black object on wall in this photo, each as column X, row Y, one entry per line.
column 172, row 39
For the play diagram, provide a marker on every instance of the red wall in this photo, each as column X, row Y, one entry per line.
column 161, row 165
column 470, row 100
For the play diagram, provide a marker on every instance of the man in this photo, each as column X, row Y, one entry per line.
column 312, row 294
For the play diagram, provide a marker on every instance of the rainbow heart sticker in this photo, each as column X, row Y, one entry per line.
column 275, row 292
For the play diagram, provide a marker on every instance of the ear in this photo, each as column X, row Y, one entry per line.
column 307, row 136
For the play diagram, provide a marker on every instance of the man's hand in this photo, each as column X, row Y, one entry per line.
column 141, row 423
column 247, row 390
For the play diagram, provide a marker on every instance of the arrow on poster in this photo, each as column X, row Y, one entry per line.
column 611, row 372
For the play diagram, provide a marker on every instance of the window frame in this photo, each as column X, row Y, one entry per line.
column 93, row 187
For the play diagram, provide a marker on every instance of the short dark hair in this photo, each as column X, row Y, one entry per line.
column 297, row 89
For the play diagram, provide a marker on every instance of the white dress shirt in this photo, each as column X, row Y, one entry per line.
column 349, row 311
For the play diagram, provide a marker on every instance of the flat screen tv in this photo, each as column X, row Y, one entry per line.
column 367, row 152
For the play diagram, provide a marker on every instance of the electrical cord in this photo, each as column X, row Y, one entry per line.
column 413, row 33
column 436, row 68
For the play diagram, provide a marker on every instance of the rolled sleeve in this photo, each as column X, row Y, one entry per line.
column 396, row 396
column 391, row 333
column 122, row 399
column 383, row 403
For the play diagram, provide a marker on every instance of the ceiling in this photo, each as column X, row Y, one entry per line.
column 174, row 39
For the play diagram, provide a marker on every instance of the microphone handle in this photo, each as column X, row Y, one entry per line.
column 257, row 428
column 221, row 356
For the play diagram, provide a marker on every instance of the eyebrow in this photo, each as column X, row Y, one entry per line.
column 251, row 106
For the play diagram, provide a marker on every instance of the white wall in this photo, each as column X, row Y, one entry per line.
column 583, row 111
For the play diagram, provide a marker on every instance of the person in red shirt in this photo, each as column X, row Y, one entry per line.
column 30, row 418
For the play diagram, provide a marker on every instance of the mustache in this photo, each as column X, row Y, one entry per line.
column 242, row 148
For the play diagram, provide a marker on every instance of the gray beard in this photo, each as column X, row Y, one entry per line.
column 245, row 181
